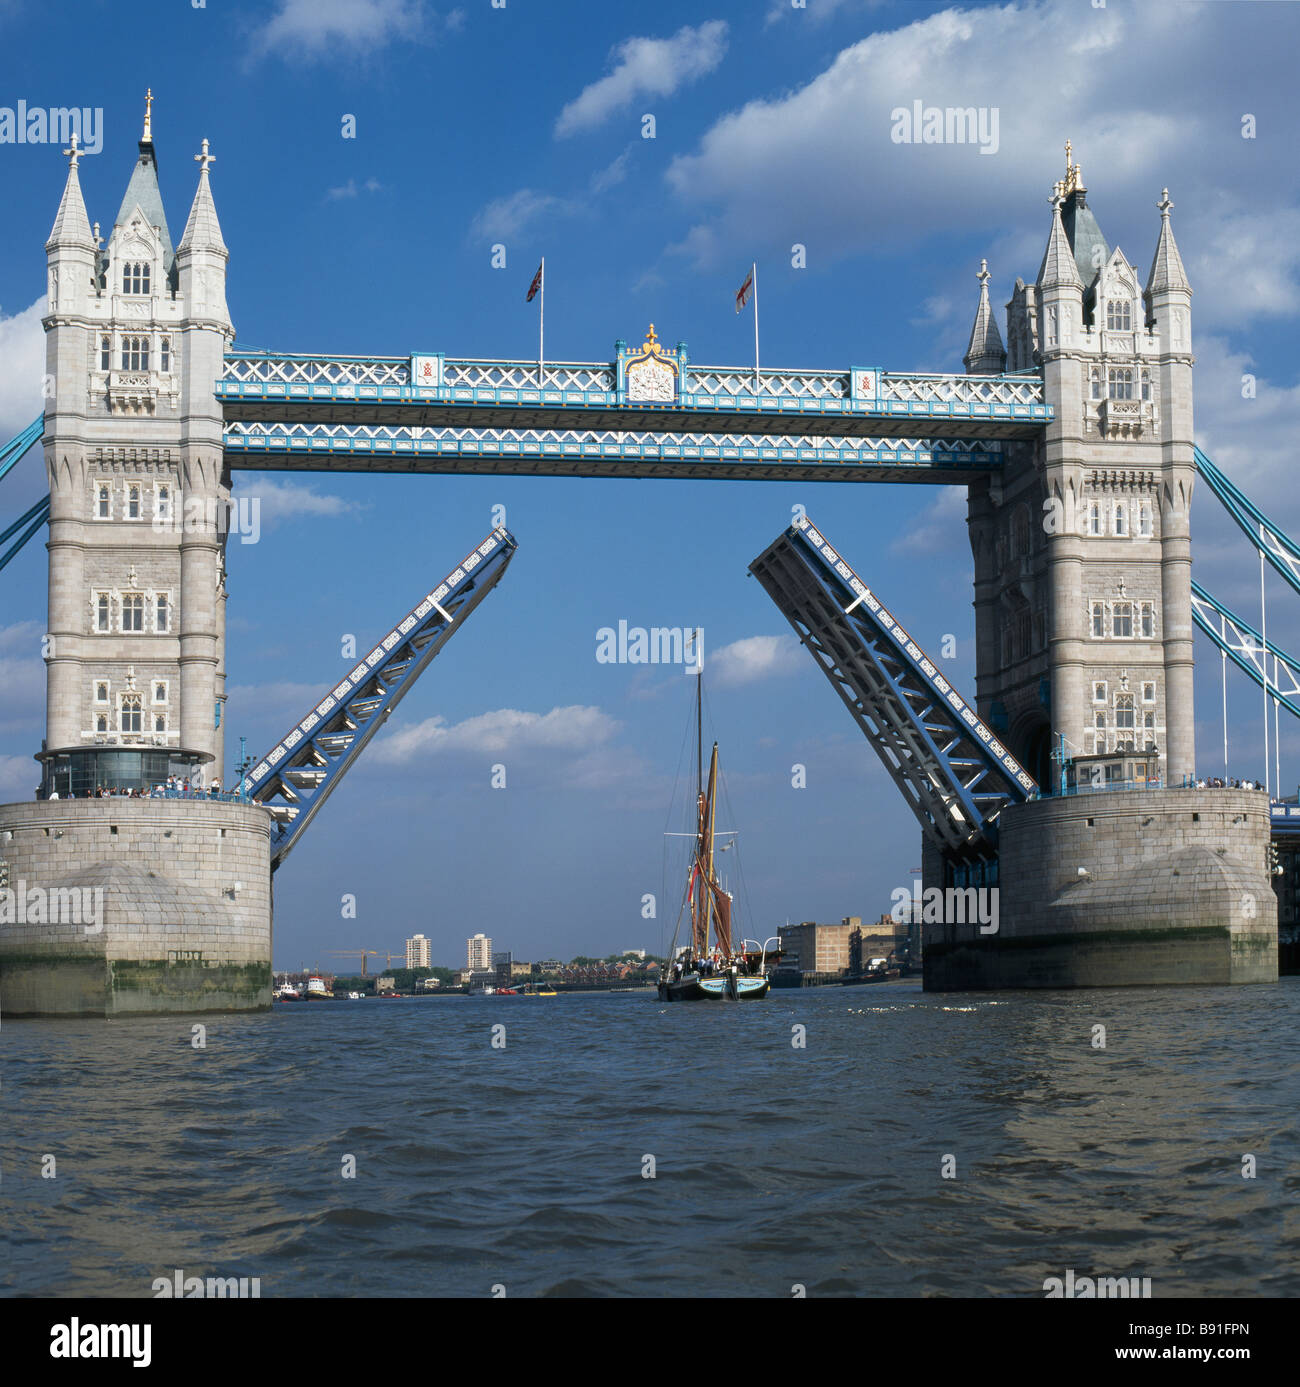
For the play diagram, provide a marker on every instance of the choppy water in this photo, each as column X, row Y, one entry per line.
column 523, row 1167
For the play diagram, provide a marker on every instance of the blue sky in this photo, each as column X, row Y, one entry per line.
column 523, row 125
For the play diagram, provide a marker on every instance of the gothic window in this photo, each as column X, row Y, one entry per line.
column 1119, row 315
column 1098, row 621
column 103, row 501
column 1148, row 693
column 1124, row 712
column 135, row 279
column 101, row 723
column 1094, row 518
column 165, row 354
column 163, row 507
column 1121, row 620
column 133, row 612
column 135, row 353
column 1149, row 728
column 105, row 353
column 1119, row 383
column 101, row 691
column 159, row 692
column 159, row 723
column 1099, row 691
column 101, row 612
column 1121, row 518
column 129, row 716
column 1148, row 620
column 1094, row 377
column 1146, row 384
column 161, row 612
column 1144, row 519
column 133, row 502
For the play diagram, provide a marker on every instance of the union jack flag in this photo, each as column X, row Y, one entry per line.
column 536, row 284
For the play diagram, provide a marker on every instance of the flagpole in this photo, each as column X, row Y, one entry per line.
column 541, row 327
column 753, row 270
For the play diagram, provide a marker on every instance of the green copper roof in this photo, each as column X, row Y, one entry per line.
column 143, row 192
column 1084, row 235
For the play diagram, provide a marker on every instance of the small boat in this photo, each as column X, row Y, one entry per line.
column 354, row 996
column 878, row 970
column 711, row 967
column 537, row 989
column 287, row 992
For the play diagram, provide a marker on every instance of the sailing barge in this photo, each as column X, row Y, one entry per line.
column 710, row 967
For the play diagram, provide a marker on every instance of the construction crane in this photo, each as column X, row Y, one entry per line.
column 363, row 952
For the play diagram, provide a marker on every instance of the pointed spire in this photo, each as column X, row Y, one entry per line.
column 1167, row 271
column 1058, row 269
column 147, row 137
column 203, row 230
column 985, row 356
column 71, row 224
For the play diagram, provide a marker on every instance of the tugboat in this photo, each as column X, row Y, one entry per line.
column 710, row 967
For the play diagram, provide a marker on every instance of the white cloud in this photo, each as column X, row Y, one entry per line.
column 612, row 174
column 506, row 730
column 939, row 526
column 818, row 11
column 646, row 67
column 754, row 658
column 818, row 165
column 315, row 29
column 351, row 189
column 288, row 500
column 509, row 216
column 22, row 369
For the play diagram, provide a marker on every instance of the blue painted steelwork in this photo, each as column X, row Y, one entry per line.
column 1245, row 647
column 1276, row 546
column 1284, row 819
column 953, row 771
column 33, row 519
column 298, row 774
column 16, row 447
column 544, row 452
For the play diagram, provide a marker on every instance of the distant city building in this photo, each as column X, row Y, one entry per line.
column 386, row 984
column 501, row 967
column 814, row 948
column 417, row 952
column 478, row 953
column 634, row 953
column 549, row 965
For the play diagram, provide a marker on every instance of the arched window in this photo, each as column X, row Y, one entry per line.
column 101, row 723
column 1148, row 620
column 102, row 612
column 1119, row 315
column 1121, row 517
column 1119, row 383
column 1094, row 518
column 1098, row 620
column 1121, row 620
column 129, row 717
column 165, row 354
column 135, row 278
column 1144, row 519
column 159, row 723
column 133, row 612
column 162, row 612
column 1125, row 722
column 135, row 353
column 106, row 353
column 104, row 501
column 164, row 506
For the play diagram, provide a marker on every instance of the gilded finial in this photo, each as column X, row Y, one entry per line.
column 147, row 137
column 650, row 336
column 1073, row 175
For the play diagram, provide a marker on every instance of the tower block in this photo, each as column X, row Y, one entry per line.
column 1123, row 872
column 130, row 901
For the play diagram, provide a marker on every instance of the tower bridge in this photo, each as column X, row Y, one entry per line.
column 1083, row 630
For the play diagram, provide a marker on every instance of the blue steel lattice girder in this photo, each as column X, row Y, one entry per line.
column 1244, row 645
column 294, row 779
column 951, row 768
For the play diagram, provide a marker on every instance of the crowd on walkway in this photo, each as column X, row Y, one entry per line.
column 174, row 787
column 1218, row 782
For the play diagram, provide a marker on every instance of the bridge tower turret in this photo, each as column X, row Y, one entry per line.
column 138, row 492
column 1082, row 545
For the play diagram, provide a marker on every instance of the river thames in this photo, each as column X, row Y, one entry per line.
column 619, row 1147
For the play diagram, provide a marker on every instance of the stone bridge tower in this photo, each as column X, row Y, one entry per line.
column 139, row 493
column 1082, row 546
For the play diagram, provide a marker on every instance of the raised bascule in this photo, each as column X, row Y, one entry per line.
column 1061, row 784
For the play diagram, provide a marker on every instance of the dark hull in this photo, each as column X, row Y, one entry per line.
column 864, row 978
column 714, row 989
